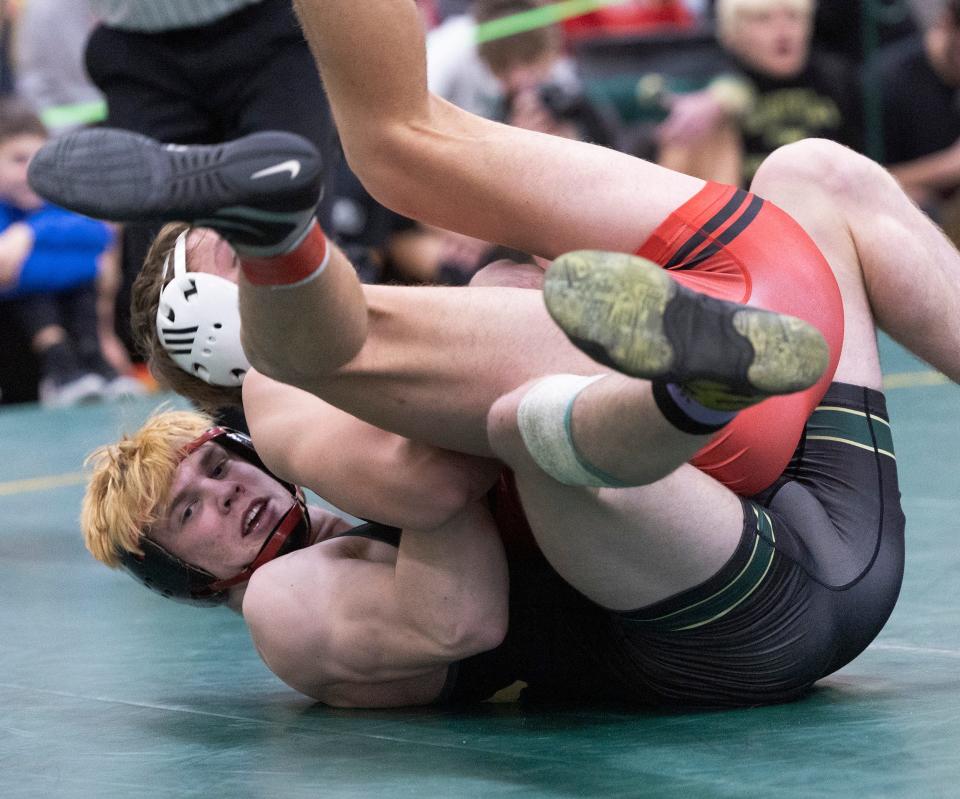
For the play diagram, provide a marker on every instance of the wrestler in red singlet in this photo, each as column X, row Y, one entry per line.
column 733, row 245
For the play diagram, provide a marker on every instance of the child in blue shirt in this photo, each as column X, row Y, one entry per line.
column 50, row 260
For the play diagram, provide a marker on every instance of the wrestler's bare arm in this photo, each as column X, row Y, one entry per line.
column 360, row 468
column 354, row 630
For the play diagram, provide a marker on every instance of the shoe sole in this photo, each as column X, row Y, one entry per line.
column 613, row 307
column 125, row 177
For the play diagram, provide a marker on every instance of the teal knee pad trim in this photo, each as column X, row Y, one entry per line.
column 604, row 479
column 544, row 419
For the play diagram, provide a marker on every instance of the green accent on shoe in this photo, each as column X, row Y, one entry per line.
column 789, row 354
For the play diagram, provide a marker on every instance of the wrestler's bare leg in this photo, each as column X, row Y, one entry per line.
column 630, row 547
column 435, row 359
column 889, row 258
column 892, row 264
column 432, row 161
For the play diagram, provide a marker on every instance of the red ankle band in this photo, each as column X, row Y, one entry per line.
column 308, row 257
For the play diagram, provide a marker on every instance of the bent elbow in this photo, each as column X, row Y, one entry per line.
column 449, row 501
column 480, row 633
column 492, row 633
column 436, row 504
column 457, row 485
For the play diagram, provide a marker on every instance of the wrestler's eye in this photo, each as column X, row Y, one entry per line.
column 219, row 469
column 187, row 514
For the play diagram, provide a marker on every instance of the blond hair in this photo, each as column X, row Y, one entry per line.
column 143, row 320
column 130, row 482
column 728, row 12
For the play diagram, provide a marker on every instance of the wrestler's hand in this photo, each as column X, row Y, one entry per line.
column 692, row 118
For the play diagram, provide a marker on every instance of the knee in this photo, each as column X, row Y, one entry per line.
column 508, row 273
column 503, row 430
column 529, row 430
column 818, row 164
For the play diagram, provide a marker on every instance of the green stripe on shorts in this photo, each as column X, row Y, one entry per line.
column 740, row 587
column 853, row 427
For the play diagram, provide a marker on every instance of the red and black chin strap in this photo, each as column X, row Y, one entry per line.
column 270, row 549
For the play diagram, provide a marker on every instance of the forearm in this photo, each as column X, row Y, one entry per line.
column 424, row 487
column 452, row 585
column 363, row 470
column 933, row 172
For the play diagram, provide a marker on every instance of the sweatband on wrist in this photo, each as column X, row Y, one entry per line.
column 303, row 263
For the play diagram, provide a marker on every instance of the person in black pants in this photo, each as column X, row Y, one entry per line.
column 190, row 72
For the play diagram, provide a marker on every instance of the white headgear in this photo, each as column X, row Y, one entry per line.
column 198, row 322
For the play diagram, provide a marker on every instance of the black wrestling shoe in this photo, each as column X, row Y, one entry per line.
column 259, row 192
column 630, row 314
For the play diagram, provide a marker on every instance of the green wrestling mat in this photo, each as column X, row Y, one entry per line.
column 109, row 692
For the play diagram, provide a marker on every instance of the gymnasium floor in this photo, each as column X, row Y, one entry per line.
column 108, row 691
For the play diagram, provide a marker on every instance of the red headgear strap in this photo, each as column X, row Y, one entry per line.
column 274, row 543
column 271, row 547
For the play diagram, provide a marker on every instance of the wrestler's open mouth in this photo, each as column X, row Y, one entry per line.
column 254, row 516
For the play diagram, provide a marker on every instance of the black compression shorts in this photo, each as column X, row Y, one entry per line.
column 815, row 578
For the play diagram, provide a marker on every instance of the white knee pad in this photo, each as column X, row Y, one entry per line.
column 544, row 421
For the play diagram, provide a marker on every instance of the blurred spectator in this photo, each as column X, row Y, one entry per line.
column 525, row 79
column 8, row 16
column 204, row 71
column 701, row 133
column 793, row 92
column 921, row 113
column 387, row 247
column 50, row 260
column 50, row 74
column 797, row 93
